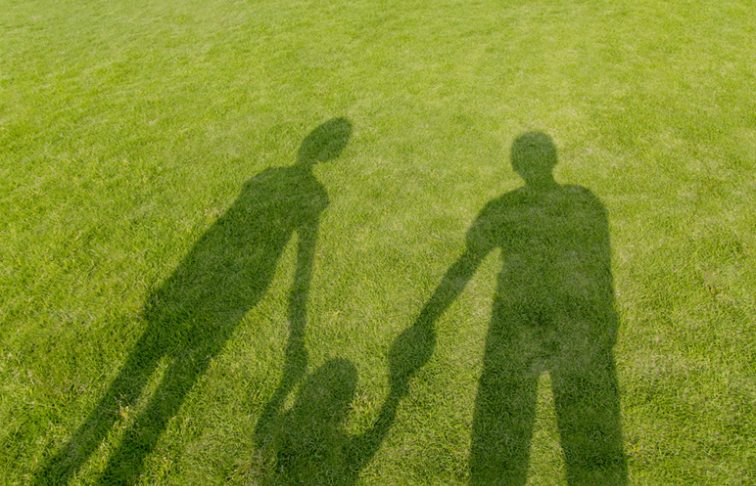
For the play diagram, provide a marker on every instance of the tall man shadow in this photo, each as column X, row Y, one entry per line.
column 553, row 311
column 195, row 311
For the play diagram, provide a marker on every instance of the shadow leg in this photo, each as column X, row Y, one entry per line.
column 205, row 340
column 504, row 415
column 588, row 414
column 123, row 392
column 125, row 465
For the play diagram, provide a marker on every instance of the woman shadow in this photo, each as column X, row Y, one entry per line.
column 196, row 310
column 553, row 311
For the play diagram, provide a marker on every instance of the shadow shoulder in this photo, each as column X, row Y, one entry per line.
column 496, row 216
column 581, row 191
column 506, row 200
column 285, row 179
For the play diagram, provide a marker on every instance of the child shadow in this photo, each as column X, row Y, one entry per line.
column 191, row 316
column 308, row 444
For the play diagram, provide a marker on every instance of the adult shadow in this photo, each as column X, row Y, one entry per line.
column 553, row 311
column 195, row 311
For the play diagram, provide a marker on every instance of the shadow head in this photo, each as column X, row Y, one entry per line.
column 534, row 157
column 326, row 394
column 325, row 142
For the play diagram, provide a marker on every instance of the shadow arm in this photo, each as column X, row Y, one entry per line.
column 296, row 355
column 414, row 347
column 410, row 351
column 451, row 286
column 295, row 358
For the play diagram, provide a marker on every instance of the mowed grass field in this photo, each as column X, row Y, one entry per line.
column 186, row 298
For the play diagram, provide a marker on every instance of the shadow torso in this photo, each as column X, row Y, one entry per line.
column 232, row 264
column 556, row 263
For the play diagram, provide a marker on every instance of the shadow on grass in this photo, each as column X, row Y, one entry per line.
column 192, row 315
column 553, row 311
column 307, row 444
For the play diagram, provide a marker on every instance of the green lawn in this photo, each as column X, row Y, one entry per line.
column 265, row 243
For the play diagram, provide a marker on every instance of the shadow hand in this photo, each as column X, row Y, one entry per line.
column 409, row 352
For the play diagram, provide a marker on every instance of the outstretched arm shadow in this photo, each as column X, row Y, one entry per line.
column 414, row 347
column 410, row 351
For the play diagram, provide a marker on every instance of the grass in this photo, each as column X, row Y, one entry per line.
column 132, row 132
